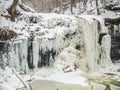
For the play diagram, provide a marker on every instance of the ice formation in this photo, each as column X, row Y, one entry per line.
column 61, row 41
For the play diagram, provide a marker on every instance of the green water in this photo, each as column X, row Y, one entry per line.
column 52, row 85
column 108, row 82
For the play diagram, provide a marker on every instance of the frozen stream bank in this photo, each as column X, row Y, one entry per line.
column 77, row 81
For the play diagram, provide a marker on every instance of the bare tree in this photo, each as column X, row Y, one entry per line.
column 84, row 2
column 12, row 10
column 72, row 4
column 91, row 3
column 98, row 12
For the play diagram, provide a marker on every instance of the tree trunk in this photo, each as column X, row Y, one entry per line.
column 84, row 2
column 91, row 3
column 98, row 12
column 72, row 5
column 23, row 82
column 12, row 10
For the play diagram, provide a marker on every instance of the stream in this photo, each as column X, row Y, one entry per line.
column 52, row 85
column 106, row 81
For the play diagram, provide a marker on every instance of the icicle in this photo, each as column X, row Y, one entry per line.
column 35, row 53
column 105, row 60
column 51, row 61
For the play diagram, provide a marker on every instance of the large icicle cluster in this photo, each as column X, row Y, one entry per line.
column 94, row 42
column 61, row 41
column 39, row 43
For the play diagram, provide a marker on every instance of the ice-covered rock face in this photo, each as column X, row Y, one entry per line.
column 51, row 40
column 93, row 52
column 64, row 42
column 44, row 39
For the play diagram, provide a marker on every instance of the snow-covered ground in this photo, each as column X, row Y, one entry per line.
column 9, row 81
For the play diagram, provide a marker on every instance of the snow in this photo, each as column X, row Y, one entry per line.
column 68, row 78
column 8, row 80
column 91, row 18
column 110, row 14
column 6, row 87
column 11, row 82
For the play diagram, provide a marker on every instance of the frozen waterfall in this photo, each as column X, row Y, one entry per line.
column 64, row 42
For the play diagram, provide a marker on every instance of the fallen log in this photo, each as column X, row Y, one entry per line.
column 26, row 87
